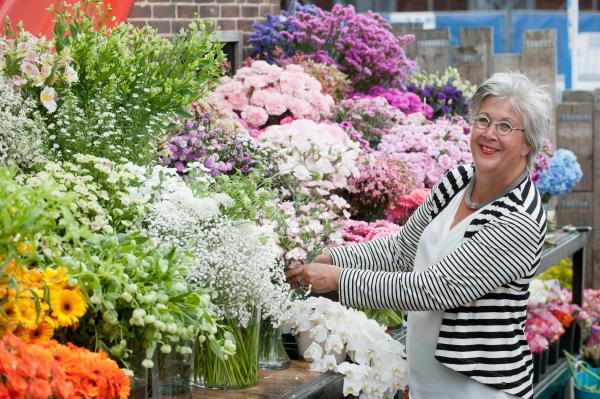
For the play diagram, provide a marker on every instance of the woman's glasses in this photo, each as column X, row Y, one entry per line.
column 503, row 128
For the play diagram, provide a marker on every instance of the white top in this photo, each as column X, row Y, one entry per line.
column 428, row 377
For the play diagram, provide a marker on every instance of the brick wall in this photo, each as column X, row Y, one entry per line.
column 169, row 16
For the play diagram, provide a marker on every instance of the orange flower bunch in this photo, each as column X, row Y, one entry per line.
column 44, row 370
column 26, row 312
column 565, row 318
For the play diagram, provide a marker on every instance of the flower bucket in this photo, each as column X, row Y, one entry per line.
column 544, row 365
column 550, row 220
column 537, row 367
column 237, row 371
column 553, row 353
column 585, row 379
column 303, row 341
column 566, row 340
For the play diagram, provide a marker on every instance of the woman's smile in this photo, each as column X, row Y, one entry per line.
column 488, row 150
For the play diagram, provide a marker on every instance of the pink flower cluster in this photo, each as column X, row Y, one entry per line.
column 381, row 181
column 542, row 327
column 429, row 149
column 542, row 161
column 321, row 157
column 354, row 232
column 263, row 94
column 403, row 207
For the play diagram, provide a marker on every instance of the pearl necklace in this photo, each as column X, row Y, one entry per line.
column 503, row 193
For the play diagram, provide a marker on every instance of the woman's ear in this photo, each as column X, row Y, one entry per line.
column 526, row 150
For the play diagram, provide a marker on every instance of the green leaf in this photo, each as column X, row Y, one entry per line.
column 182, row 113
column 216, row 349
column 127, row 249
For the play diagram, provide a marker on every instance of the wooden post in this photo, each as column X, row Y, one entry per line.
column 476, row 37
column 433, row 49
column 575, row 133
column 507, row 62
column 471, row 63
column 410, row 49
column 538, row 60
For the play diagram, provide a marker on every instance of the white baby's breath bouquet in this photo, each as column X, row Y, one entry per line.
column 233, row 257
column 379, row 367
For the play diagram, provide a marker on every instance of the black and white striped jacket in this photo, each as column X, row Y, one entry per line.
column 482, row 285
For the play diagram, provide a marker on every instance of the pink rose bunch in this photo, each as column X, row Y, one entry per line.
column 429, row 149
column 354, row 232
column 381, row 181
column 319, row 157
column 403, row 207
column 29, row 64
column 263, row 94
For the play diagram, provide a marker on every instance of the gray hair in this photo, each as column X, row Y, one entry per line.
column 528, row 98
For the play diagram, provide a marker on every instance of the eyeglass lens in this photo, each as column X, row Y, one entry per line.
column 503, row 128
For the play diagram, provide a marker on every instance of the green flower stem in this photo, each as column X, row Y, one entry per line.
column 239, row 370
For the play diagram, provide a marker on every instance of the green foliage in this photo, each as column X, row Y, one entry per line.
column 127, row 77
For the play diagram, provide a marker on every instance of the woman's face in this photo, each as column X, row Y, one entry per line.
column 504, row 156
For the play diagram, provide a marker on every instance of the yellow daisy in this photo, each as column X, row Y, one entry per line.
column 56, row 278
column 43, row 332
column 67, row 306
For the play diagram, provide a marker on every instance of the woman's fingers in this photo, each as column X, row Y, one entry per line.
column 322, row 278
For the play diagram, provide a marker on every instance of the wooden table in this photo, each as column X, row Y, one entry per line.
column 295, row 382
column 299, row 383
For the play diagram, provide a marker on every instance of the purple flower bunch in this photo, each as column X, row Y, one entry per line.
column 362, row 45
column 215, row 150
column 268, row 36
column 407, row 102
column 447, row 94
column 371, row 116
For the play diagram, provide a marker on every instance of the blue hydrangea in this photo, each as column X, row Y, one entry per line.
column 268, row 35
column 564, row 172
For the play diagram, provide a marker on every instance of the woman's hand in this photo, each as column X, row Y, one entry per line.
column 323, row 278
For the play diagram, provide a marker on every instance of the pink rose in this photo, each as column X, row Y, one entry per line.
column 275, row 104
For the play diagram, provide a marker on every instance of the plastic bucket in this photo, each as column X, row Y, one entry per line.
column 585, row 379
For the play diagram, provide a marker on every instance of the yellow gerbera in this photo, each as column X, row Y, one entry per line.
column 43, row 332
column 56, row 278
column 67, row 306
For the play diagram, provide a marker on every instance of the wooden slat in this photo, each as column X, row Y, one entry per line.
column 410, row 49
column 433, row 49
column 596, row 206
column 538, row 59
column 506, row 62
column 575, row 133
column 477, row 37
column 471, row 63
column 577, row 96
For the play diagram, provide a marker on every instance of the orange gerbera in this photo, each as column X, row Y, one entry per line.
column 16, row 384
column 4, row 393
column 26, row 365
column 7, row 361
column 40, row 389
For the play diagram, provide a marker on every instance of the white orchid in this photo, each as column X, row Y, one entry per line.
column 380, row 368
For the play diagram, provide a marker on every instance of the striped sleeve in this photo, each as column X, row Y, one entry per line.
column 502, row 252
column 395, row 252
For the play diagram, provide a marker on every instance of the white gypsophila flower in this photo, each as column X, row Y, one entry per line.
column 21, row 129
column 230, row 257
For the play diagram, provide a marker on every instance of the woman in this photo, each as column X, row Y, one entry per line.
column 462, row 263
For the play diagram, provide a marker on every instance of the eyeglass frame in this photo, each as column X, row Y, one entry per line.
column 479, row 117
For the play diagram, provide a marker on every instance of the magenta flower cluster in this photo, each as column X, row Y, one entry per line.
column 407, row 102
column 362, row 45
column 354, row 232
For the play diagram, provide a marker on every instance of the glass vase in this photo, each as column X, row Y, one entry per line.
column 230, row 372
column 550, row 208
column 175, row 372
column 139, row 379
column 272, row 352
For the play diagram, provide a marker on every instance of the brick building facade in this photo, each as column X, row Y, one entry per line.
column 169, row 16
